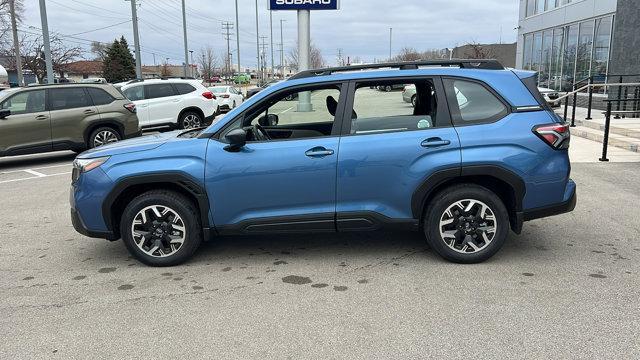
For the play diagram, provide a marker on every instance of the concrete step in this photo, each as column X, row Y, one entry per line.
column 617, row 140
column 624, row 127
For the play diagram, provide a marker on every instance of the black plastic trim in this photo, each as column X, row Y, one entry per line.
column 281, row 224
column 371, row 221
column 79, row 226
column 556, row 209
column 180, row 179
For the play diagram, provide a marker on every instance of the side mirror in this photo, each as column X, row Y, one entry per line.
column 237, row 139
column 4, row 113
column 269, row 120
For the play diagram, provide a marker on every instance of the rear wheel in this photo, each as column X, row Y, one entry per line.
column 414, row 100
column 102, row 136
column 161, row 228
column 190, row 120
column 466, row 223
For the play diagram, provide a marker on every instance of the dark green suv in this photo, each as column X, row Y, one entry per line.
column 64, row 117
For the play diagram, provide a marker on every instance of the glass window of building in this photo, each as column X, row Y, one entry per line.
column 537, row 52
column 601, row 46
column 556, row 62
column 569, row 58
column 531, row 7
column 584, row 50
column 540, row 6
column 526, row 60
column 545, row 63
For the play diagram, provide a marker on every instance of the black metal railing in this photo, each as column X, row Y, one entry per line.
column 607, row 120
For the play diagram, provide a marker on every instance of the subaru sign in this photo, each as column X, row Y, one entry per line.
column 304, row 4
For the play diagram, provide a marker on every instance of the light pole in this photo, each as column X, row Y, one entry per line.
column 257, row 40
column 47, row 44
column 390, row 42
column 184, row 31
column 238, row 38
column 281, row 49
column 304, row 54
column 271, row 26
column 136, row 39
column 191, row 64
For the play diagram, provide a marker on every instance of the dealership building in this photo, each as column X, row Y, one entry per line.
column 569, row 40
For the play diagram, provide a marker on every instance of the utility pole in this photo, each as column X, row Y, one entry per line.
column 184, row 31
column 238, row 38
column 191, row 64
column 136, row 39
column 271, row 26
column 47, row 44
column 154, row 58
column 263, row 56
column 281, row 49
column 390, row 42
column 227, row 26
column 340, row 58
column 257, row 39
column 16, row 44
column 304, row 54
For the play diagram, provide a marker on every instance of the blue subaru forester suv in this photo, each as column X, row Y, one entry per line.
column 474, row 156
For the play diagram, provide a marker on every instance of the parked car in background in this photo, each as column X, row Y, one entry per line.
column 257, row 89
column 64, row 117
column 389, row 88
column 550, row 96
column 242, row 79
column 174, row 102
column 215, row 79
column 229, row 97
column 4, row 79
column 465, row 170
column 94, row 81
column 409, row 94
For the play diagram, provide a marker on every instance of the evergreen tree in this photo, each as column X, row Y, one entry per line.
column 119, row 63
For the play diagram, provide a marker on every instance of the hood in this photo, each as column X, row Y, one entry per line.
column 143, row 143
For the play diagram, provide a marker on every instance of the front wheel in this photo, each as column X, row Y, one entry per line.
column 466, row 224
column 161, row 228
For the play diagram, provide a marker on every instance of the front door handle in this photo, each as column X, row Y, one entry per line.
column 434, row 142
column 89, row 111
column 318, row 152
column 42, row 117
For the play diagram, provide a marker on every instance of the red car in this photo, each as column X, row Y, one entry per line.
column 215, row 79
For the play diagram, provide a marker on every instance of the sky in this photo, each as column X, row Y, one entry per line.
column 360, row 28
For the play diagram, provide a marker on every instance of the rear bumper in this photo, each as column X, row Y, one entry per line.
column 556, row 209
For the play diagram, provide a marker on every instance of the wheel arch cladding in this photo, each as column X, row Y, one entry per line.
column 128, row 188
column 508, row 186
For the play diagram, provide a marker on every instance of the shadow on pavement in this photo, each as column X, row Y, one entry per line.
column 27, row 161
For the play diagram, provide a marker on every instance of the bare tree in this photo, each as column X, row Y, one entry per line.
column 473, row 50
column 407, row 54
column 5, row 21
column 208, row 61
column 99, row 50
column 164, row 70
column 32, row 52
column 315, row 62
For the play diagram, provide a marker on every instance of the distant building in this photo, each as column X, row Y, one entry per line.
column 570, row 40
column 82, row 69
column 505, row 53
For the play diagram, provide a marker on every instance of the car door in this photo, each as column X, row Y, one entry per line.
column 164, row 103
column 283, row 184
column 389, row 149
column 72, row 111
column 28, row 128
column 135, row 93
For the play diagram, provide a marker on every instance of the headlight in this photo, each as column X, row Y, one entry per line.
column 84, row 165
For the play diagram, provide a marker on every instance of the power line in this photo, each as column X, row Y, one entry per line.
column 102, row 28
column 84, row 11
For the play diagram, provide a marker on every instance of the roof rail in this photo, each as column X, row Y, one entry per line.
column 485, row 64
column 134, row 81
column 177, row 77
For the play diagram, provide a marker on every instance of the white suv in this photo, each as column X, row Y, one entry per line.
column 181, row 103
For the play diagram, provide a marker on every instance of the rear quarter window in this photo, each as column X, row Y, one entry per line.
column 184, row 88
column 99, row 96
column 472, row 103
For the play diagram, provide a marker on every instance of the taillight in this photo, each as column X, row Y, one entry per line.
column 131, row 107
column 209, row 95
column 555, row 135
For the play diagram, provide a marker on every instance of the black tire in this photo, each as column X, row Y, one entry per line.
column 185, row 209
column 388, row 88
column 103, row 135
column 449, row 196
column 190, row 120
column 234, row 104
column 414, row 100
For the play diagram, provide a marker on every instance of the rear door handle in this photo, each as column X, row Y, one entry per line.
column 42, row 117
column 89, row 111
column 318, row 152
column 434, row 142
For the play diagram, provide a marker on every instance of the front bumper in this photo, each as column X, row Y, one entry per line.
column 79, row 226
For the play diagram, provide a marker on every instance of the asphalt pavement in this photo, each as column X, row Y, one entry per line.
column 568, row 287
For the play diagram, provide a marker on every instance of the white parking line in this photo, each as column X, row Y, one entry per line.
column 33, row 172
column 34, row 177
column 32, row 169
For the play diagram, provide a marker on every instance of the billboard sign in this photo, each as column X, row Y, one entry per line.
column 304, row 4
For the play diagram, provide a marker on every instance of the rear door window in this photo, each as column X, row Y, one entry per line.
column 68, row 98
column 134, row 93
column 100, row 97
column 155, row 91
column 182, row 88
column 471, row 102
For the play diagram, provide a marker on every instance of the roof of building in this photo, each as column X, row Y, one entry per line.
column 84, row 67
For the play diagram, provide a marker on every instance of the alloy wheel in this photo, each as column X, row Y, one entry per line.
column 468, row 226
column 104, row 137
column 191, row 121
column 158, row 231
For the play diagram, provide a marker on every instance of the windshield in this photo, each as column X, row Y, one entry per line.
column 219, row 90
